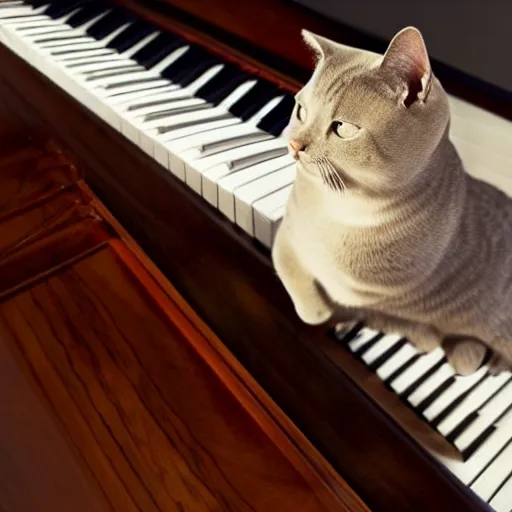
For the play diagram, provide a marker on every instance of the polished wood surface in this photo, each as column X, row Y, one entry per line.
column 114, row 395
column 230, row 283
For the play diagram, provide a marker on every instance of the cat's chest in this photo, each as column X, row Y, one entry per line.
column 340, row 261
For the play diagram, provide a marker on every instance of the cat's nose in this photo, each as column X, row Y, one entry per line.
column 295, row 147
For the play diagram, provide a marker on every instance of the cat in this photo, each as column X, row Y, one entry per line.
column 383, row 224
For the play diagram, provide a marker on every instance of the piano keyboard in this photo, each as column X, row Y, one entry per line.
column 217, row 128
column 474, row 413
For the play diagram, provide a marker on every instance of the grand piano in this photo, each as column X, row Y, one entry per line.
column 174, row 110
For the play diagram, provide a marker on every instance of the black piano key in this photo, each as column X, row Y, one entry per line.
column 414, row 385
column 461, row 427
column 447, row 410
column 131, row 36
column 39, row 3
column 58, row 9
column 466, row 454
column 222, row 84
column 109, row 23
column 386, row 355
column 254, row 100
column 422, row 406
column 191, row 65
column 275, row 121
column 157, row 49
column 87, row 13
column 344, row 336
column 369, row 344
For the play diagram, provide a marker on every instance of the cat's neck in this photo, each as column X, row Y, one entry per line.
column 441, row 185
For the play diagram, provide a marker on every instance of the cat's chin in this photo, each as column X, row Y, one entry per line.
column 307, row 171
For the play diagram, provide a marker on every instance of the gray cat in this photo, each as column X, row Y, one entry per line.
column 384, row 224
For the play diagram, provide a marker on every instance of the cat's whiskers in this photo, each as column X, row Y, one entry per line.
column 330, row 176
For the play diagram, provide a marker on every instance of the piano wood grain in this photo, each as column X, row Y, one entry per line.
column 232, row 286
column 114, row 396
column 174, row 436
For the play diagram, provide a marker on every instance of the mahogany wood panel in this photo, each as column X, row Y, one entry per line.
column 173, row 434
column 232, row 286
column 113, row 395
column 268, row 32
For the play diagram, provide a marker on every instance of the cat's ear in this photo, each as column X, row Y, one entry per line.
column 322, row 46
column 407, row 58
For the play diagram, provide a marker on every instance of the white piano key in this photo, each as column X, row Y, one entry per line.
column 168, row 158
column 87, row 69
column 395, row 362
column 387, row 342
column 67, row 45
column 416, row 370
column 211, row 177
column 267, row 214
column 131, row 127
column 472, row 402
column 426, row 388
column 110, row 37
column 124, row 68
column 502, row 502
column 104, row 83
column 468, row 471
column 150, row 137
column 248, row 194
column 118, row 102
column 84, row 54
column 228, row 184
column 198, row 145
column 21, row 20
column 487, row 415
column 161, row 106
column 194, row 168
column 141, row 44
column 495, row 474
column 170, row 59
column 147, row 136
column 362, row 337
column 460, row 386
column 42, row 29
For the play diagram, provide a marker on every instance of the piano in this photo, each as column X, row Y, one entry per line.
column 174, row 110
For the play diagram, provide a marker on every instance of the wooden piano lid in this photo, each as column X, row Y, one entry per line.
column 114, row 395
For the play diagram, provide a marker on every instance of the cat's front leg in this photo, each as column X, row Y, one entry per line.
column 311, row 303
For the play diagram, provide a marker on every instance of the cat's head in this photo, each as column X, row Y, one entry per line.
column 365, row 121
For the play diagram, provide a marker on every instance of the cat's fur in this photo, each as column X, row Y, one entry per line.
column 386, row 225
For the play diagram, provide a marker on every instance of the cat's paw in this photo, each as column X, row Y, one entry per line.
column 425, row 341
column 314, row 314
column 464, row 355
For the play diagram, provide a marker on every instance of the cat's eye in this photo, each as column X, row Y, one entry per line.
column 344, row 130
column 301, row 113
